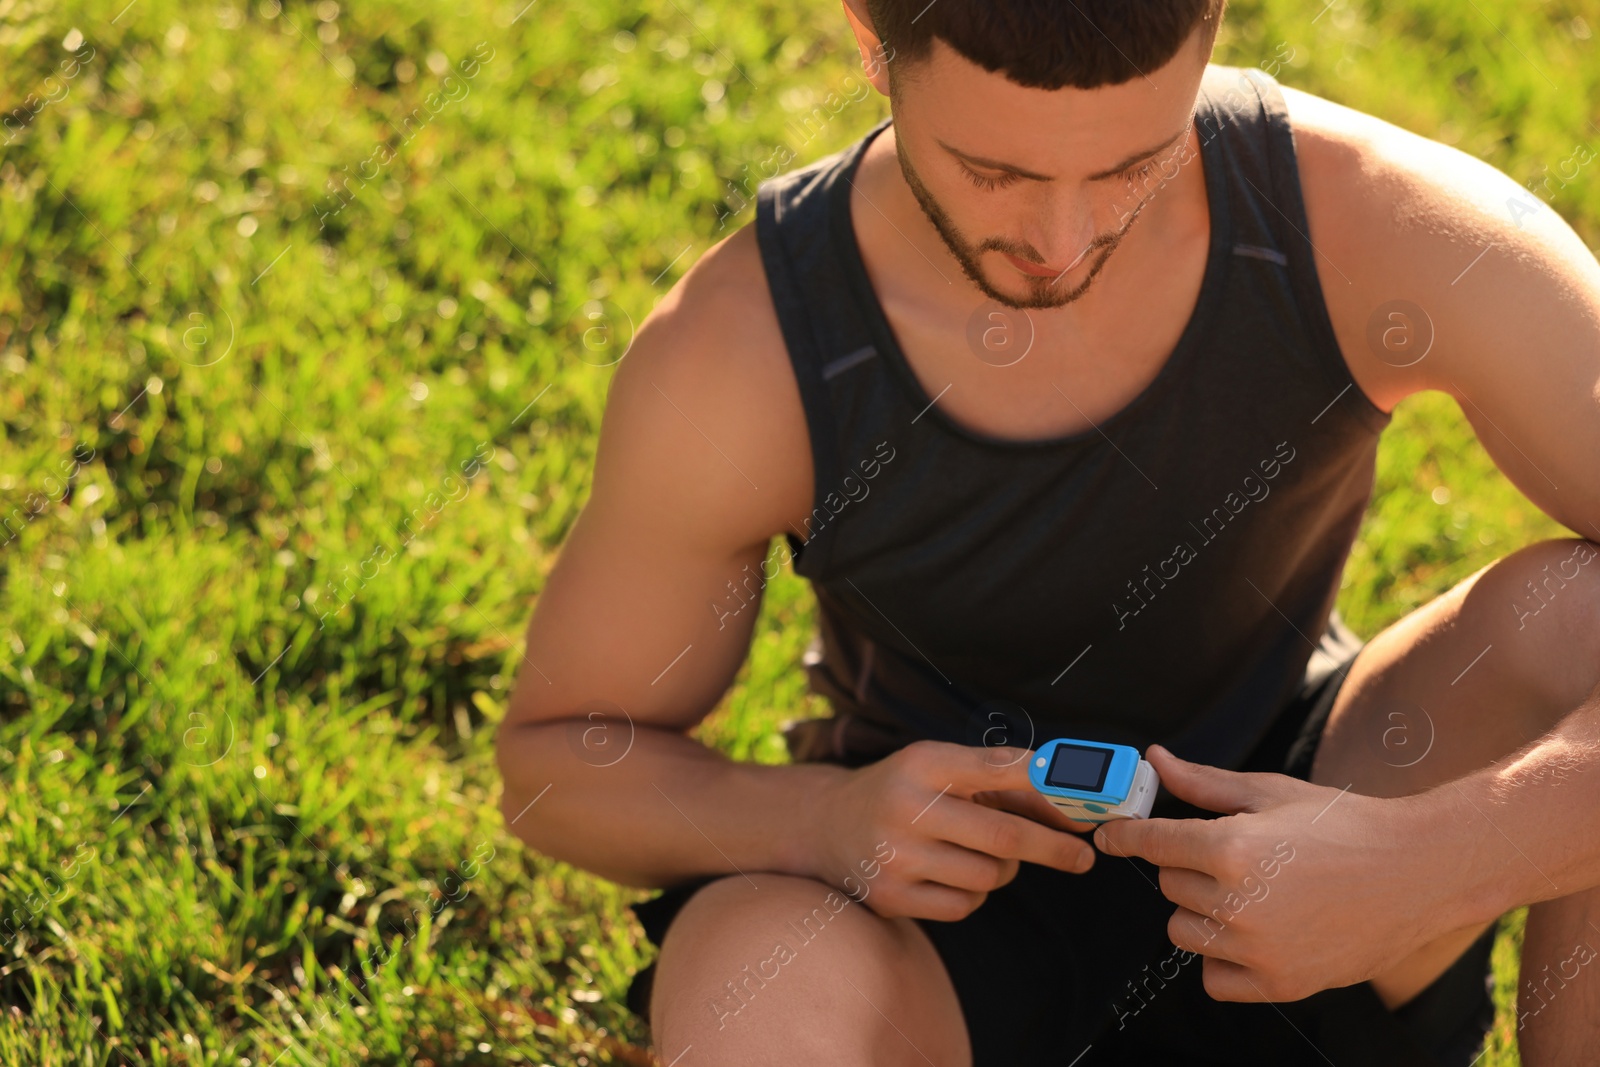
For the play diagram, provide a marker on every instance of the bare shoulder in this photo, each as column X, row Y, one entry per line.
column 704, row 428
column 1396, row 216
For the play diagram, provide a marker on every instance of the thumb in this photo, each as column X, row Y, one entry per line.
column 1211, row 788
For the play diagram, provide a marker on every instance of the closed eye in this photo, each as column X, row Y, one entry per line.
column 983, row 181
column 1138, row 172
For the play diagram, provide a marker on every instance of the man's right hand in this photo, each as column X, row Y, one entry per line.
column 959, row 819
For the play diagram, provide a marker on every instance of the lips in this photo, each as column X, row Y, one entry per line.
column 1036, row 270
column 1032, row 270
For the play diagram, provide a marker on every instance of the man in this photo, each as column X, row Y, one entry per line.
column 1063, row 390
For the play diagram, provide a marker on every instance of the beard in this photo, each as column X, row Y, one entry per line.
column 1043, row 292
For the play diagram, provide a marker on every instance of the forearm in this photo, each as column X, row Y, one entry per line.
column 665, row 810
column 1525, row 829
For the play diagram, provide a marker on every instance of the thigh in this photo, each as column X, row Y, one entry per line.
column 1469, row 677
column 775, row 969
column 1461, row 683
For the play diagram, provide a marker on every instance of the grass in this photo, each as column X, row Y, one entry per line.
column 283, row 464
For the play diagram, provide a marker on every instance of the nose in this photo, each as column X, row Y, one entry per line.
column 1062, row 229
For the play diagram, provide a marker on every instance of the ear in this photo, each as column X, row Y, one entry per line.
column 872, row 49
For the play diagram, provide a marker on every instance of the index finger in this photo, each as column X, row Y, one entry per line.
column 978, row 768
column 1032, row 804
column 1164, row 842
column 1006, row 836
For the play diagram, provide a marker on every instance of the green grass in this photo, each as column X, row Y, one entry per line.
column 256, row 630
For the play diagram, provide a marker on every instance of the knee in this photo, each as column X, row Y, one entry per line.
column 1548, row 598
column 741, row 934
column 1555, row 586
column 753, row 960
column 721, row 952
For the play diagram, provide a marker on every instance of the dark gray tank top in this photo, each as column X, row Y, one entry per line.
column 1159, row 578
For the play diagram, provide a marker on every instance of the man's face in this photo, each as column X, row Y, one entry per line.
column 1033, row 189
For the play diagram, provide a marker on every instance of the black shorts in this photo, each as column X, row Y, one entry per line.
column 1069, row 969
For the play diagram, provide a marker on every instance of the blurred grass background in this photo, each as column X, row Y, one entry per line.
column 297, row 404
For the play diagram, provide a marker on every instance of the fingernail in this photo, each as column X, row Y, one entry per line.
column 1100, row 839
column 1085, row 861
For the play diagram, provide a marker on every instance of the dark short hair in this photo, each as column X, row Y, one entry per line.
column 1047, row 44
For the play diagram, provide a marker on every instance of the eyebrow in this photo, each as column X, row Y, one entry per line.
column 1116, row 171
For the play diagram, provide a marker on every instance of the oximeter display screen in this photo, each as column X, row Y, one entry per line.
column 1079, row 767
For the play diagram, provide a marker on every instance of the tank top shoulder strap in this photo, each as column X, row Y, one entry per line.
column 804, row 232
column 1244, row 108
column 1247, row 111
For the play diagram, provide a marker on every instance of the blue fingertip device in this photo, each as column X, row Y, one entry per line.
column 1092, row 781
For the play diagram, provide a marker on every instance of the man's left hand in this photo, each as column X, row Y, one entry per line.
column 1299, row 888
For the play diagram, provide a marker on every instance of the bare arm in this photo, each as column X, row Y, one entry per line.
column 1478, row 289
column 698, row 455
column 1505, row 302
column 1514, row 299
column 703, row 458
column 1520, row 337
column 1507, row 320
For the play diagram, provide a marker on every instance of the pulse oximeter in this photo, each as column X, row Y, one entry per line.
column 1092, row 781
